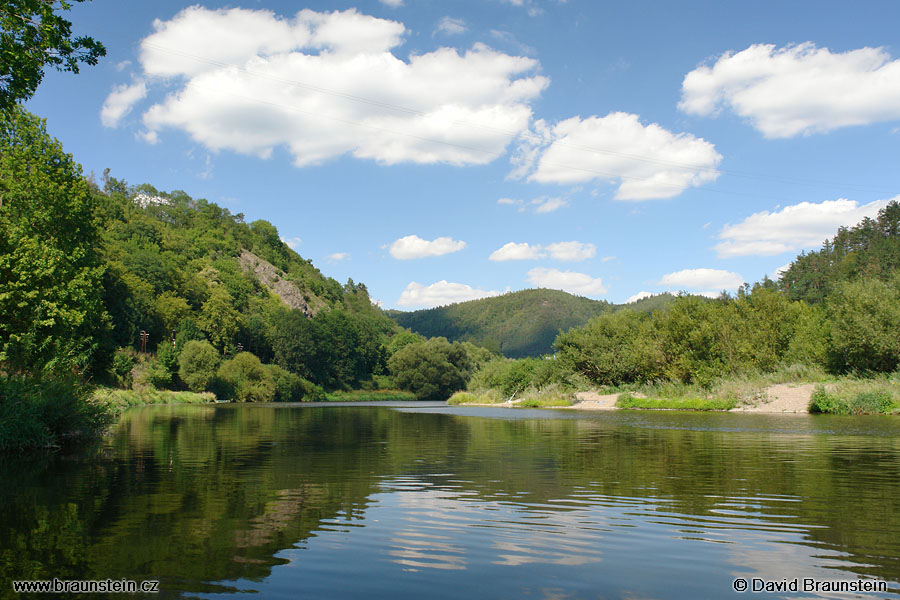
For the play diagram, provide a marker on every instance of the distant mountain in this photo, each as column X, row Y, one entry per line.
column 517, row 324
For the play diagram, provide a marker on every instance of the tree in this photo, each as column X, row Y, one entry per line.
column 245, row 379
column 197, row 364
column 32, row 36
column 219, row 319
column 865, row 321
column 51, row 310
column 432, row 370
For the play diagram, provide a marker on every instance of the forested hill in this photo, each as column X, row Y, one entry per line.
column 516, row 324
column 869, row 249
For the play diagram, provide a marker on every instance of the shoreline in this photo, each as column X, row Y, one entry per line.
column 780, row 399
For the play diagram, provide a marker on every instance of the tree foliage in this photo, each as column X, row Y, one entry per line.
column 432, row 369
column 51, row 312
column 197, row 365
column 33, row 36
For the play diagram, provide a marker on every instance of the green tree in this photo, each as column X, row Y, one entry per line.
column 219, row 319
column 865, row 325
column 432, row 370
column 32, row 36
column 51, row 311
column 197, row 364
column 245, row 379
column 613, row 348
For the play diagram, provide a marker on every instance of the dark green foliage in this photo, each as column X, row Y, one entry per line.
column 865, row 325
column 873, row 402
column 432, row 370
column 245, row 379
column 870, row 249
column 523, row 323
column 613, row 348
column 290, row 387
column 33, row 36
column 46, row 413
column 197, row 364
column 51, row 314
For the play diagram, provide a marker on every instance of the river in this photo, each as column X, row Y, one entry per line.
column 429, row 501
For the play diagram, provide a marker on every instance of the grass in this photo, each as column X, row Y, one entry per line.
column 482, row 396
column 548, row 397
column 47, row 414
column 628, row 400
column 118, row 400
column 875, row 396
column 369, row 396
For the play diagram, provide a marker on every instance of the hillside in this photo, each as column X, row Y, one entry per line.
column 517, row 324
column 869, row 249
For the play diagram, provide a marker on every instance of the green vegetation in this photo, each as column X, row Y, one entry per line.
column 516, row 324
column 483, row 396
column 118, row 400
column 857, row 397
column 46, row 413
column 627, row 400
column 370, row 396
column 435, row 368
column 35, row 36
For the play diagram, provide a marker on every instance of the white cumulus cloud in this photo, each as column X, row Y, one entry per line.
column 646, row 161
column 572, row 250
column 708, row 282
column 539, row 205
column 120, row 101
column 514, row 251
column 797, row 90
column 793, row 228
column 451, row 26
column 292, row 243
column 568, row 281
column 440, row 293
column 638, row 296
column 339, row 256
column 412, row 246
column 325, row 84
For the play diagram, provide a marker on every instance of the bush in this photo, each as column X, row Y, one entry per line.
column 197, row 364
column 432, row 370
column 46, row 413
column 244, row 379
column 290, row 387
column 123, row 361
column 853, row 398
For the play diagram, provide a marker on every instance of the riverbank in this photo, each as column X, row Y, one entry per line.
column 771, row 393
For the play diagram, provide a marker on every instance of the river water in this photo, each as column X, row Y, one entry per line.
column 429, row 501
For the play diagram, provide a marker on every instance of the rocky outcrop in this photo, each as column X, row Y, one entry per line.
column 274, row 280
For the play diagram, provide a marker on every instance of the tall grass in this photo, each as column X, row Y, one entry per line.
column 47, row 413
column 118, row 400
column 370, row 396
column 628, row 400
column 879, row 396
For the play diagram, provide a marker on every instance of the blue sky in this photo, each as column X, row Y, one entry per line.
column 443, row 151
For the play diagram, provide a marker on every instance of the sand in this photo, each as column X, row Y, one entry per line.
column 779, row 399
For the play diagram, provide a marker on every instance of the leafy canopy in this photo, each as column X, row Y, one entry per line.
column 32, row 36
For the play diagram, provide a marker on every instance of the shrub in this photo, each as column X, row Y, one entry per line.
column 122, row 363
column 244, row 379
column 197, row 364
column 290, row 387
column 46, row 413
column 822, row 402
column 432, row 370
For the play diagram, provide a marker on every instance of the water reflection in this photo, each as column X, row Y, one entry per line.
column 366, row 501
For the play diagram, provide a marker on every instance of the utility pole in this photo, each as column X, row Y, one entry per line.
column 144, row 338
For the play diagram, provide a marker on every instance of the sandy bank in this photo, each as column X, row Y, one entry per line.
column 778, row 399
